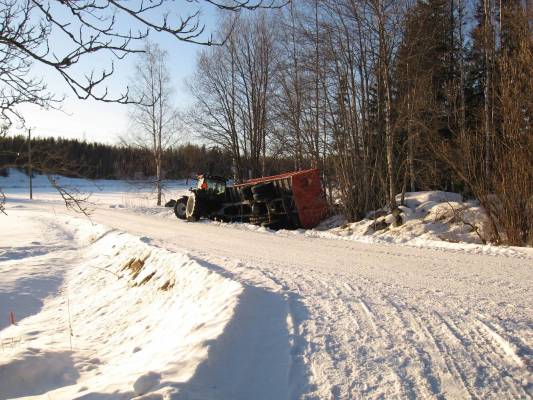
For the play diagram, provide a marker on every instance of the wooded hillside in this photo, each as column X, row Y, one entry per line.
column 384, row 96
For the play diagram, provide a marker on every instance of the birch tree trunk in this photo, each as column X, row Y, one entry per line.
column 154, row 120
column 487, row 84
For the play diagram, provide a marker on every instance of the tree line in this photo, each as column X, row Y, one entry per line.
column 384, row 96
column 93, row 160
column 75, row 158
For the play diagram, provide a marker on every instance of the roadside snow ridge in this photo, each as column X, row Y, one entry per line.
column 130, row 319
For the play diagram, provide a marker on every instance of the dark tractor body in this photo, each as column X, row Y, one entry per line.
column 287, row 201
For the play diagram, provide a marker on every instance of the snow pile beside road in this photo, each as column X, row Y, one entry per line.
column 426, row 216
column 129, row 319
column 432, row 219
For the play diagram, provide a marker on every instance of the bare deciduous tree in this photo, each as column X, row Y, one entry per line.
column 231, row 88
column 155, row 121
column 214, row 87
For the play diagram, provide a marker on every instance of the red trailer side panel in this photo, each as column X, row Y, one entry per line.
column 309, row 198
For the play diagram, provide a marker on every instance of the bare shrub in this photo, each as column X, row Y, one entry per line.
column 505, row 190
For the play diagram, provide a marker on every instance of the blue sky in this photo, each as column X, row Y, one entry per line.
column 104, row 122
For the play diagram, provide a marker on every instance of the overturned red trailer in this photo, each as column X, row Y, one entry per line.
column 291, row 200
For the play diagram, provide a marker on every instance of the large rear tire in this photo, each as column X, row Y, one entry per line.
column 275, row 224
column 193, row 209
column 180, row 207
column 263, row 189
column 263, row 197
column 246, row 193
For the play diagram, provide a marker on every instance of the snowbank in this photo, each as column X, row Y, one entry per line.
column 425, row 216
column 414, row 200
column 128, row 319
column 431, row 219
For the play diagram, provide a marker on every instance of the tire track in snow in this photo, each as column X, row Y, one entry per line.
column 451, row 377
column 369, row 314
column 476, row 361
column 508, row 366
column 420, row 372
column 470, row 368
column 372, row 343
column 506, row 346
column 360, row 338
column 331, row 327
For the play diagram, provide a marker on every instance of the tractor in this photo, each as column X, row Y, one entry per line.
column 286, row 201
column 204, row 200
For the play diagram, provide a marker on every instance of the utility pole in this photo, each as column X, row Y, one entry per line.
column 29, row 163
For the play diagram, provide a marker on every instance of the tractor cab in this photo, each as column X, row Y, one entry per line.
column 214, row 185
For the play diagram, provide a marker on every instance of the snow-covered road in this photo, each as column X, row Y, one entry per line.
column 380, row 320
column 375, row 320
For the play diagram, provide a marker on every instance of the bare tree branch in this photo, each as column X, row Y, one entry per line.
column 74, row 199
column 2, row 202
column 68, row 36
column 155, row 122
column 459, row 215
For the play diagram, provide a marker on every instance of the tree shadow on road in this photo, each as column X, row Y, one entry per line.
column 251, row 359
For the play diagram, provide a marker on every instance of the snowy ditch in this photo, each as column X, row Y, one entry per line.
column 131, row 320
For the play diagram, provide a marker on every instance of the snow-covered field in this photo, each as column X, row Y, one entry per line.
column 137, row 195
column 136, row 304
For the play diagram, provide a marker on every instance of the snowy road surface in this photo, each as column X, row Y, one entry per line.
column 363, row 320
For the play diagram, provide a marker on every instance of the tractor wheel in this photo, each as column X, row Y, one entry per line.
column 192, row 210
column 259, row 209
column 246, row 193
column 275, row 206
column 275, row 224
column 263, row 197
column 264, row 189
column 180, row 207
